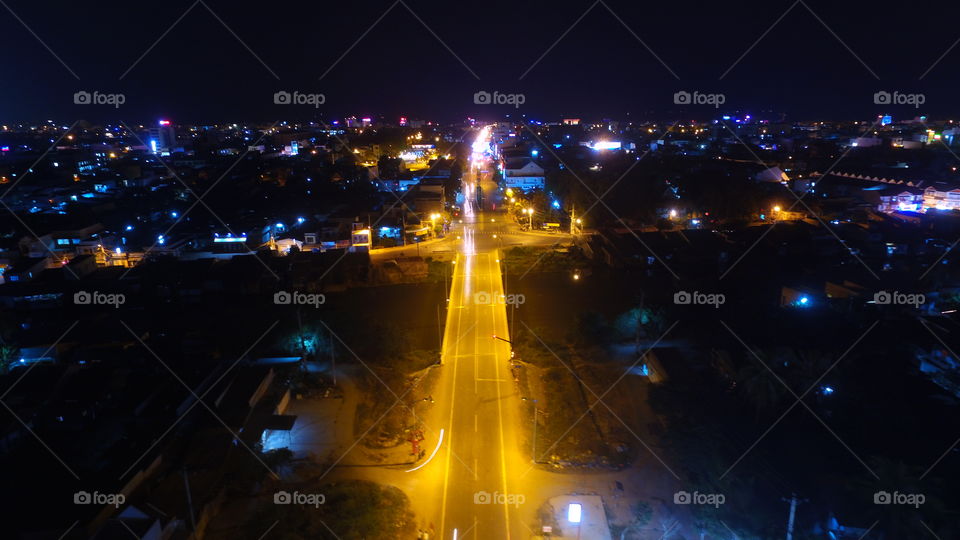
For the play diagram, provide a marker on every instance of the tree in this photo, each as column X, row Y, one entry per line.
column 351, row 510
column 389, row 167
column 902, row 520
column 642, row 513
column 9, row 354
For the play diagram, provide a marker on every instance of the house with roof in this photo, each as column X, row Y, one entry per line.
column 523, row 174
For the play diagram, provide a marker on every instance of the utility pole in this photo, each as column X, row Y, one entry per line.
column 333, row 357
column 793, row 514
column 439, row 330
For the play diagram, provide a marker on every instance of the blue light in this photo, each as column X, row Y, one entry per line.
column 803, row 301
column 174, row 215
column 300, row 220
column 535, row 153
column 161, row 240
column 694, row 222
column 827, row 390
column 129, row 227
column 556, row 204
column 279, row 225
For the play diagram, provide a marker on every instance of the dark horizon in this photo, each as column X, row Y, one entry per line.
column 208, row 62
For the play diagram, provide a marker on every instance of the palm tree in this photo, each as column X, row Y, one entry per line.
column 760, row 386
column 900, row 520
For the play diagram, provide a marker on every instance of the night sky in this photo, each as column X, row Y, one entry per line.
column 199, row 71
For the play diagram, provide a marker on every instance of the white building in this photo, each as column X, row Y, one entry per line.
column 526, row 177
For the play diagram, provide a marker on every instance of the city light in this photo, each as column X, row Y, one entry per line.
column 574, row 512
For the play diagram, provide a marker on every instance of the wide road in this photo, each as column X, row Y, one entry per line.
column 471, row 481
